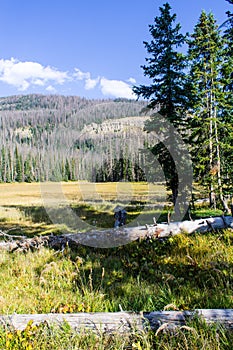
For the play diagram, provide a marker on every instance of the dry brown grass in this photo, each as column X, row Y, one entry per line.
column 14, row 194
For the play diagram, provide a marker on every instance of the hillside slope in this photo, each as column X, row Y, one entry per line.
column 67, row 137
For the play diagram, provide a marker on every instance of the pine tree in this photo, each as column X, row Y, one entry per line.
column 3, row 164
column 206, row 55
column 165, row 68
column 10, row 170
column 229, row 31
column 67, row 171
column 167, row 94
column 227, row 75
column 18, row 166
column 228, row 35
column 28, row 175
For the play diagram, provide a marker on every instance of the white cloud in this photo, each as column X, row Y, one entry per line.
column 24, row 74
column 132, row 80
column 81, row 75
column 50, row 88
column 91, row 83
column 116, row 88
column 86, row 76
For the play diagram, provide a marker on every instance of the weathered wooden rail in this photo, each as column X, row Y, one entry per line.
column 123, row 322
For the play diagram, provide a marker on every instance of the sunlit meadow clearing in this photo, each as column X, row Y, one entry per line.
column 25, row 204
column 32, row 193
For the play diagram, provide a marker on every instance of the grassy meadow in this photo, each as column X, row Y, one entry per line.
column 184, row 272
column 26, row 206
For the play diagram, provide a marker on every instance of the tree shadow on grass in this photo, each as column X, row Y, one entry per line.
column 36, row 219
column 94, row 214
column 85, row 216
column 150, row 274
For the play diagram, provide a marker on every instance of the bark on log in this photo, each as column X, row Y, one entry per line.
column 123, row 322
column 114, row 237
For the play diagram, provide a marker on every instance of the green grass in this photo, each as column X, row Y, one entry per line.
column 187, row 271
column 184, row 272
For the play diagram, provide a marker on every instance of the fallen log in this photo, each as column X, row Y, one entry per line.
column 114, row 237
column 122, row 322
column 121, row 236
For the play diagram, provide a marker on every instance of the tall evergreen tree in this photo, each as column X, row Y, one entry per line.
column 228, row 35
column 229, row 31
column 206, row 55
column 166, row 68
column 227, row 74
column 3, row 165
column 18, row 166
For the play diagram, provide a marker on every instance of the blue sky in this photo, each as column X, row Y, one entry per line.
column 88, row 48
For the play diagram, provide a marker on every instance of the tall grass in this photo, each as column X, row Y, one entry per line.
column 182, row 272
column 187, row 271
column 194, row 336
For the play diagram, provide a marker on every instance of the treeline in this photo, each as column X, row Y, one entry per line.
column 122, row 169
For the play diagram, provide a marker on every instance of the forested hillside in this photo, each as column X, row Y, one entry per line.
column 70, row 138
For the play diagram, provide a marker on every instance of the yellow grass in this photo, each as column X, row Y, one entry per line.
column 19, row 201
column 29, row 194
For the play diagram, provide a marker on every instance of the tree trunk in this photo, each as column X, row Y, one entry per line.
column 212, row 191
column 221, row 197
column 211, row 148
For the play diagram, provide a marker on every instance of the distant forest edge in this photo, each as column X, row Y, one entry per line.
column 63, row 138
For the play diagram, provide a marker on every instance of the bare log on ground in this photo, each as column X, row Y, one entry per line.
column 114, row 237
column 123, row 322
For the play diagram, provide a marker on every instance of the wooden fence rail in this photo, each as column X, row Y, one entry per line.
column 122, row 322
